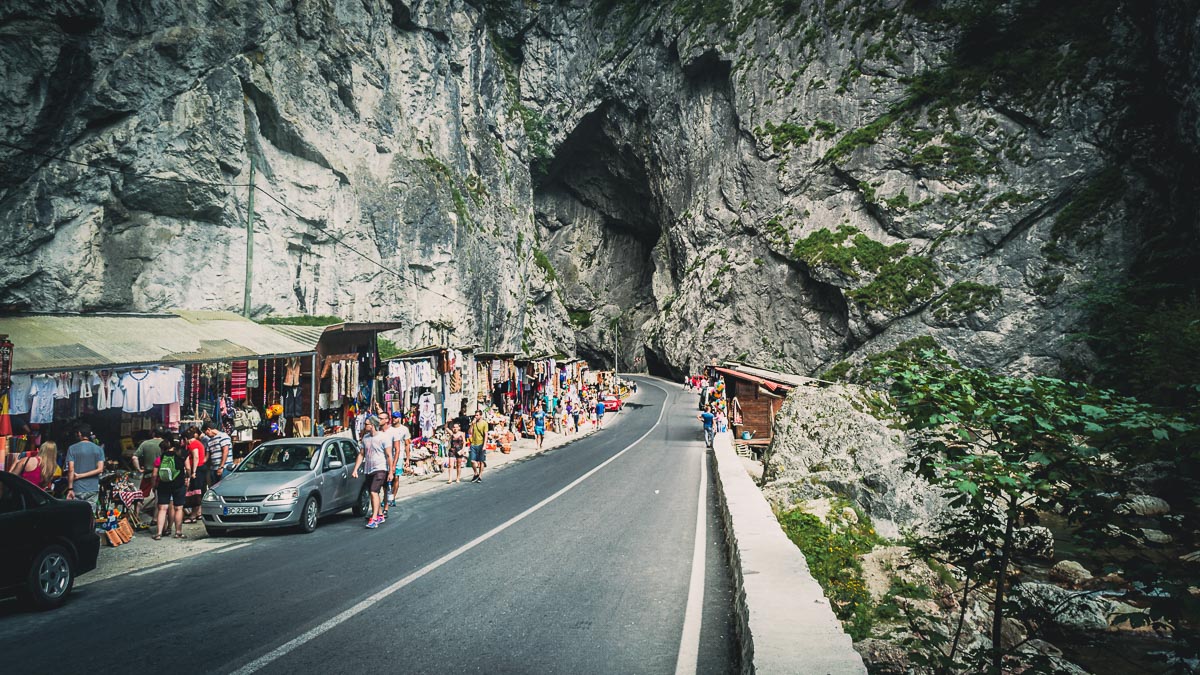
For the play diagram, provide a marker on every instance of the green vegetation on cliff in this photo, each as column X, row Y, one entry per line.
column 1006, row 449
column 965, row 297
column 899, row 281
column 1091, row 203
column 832, row 551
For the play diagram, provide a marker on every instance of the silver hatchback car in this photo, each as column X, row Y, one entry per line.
column 287, row 482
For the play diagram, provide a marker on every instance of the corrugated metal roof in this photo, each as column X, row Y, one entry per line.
column 774, row 375
column 61, row 342
column 309, row 335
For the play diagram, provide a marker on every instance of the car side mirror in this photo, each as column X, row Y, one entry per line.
column 333, row 464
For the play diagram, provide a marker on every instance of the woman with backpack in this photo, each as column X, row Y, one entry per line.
column 172, row 471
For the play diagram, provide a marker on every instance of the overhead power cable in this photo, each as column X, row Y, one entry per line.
column 362, row 255
column 259, row 188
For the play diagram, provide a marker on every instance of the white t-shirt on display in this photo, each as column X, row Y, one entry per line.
column 165, row 385
column 137, row 391
column 20, row 394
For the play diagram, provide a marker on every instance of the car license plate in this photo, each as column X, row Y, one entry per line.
column 240, row 510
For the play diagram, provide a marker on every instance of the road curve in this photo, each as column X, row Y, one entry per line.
column 575, row 561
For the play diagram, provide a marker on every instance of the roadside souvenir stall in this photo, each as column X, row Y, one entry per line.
column 430, row 385
column 350, row 377
column 125, row 374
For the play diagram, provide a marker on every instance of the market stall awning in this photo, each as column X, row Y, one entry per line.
column 311, row 335
column 770, row 384
column 493, row 356
column 64, row 342
column 307, row 335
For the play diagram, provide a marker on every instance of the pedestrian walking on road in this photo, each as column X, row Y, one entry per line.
column 401, row 450
column 539, row 426
column 600, row 413
column 219, row 448
column 707, row 418
column 479, row 432
column 172, row 470
column 375, row 455
column 458, row 454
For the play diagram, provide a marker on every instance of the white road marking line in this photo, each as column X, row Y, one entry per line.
column 227, row 549
column 337, row 620
column 154, row 569
column 689, row 643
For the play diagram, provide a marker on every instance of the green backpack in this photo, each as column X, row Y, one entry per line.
column 167, row 470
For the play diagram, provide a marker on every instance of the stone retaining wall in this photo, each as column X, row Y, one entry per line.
column 785, row 624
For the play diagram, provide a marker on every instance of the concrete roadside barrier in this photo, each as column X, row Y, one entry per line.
column 785, row 624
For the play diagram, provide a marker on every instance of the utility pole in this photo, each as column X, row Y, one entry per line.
column 249, row 245
column 616, row 345
column 487, row 329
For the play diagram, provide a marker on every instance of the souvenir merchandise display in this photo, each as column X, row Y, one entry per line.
column 121, row 405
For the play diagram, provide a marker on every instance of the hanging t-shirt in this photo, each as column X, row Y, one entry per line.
column 427, row 419
column 20, row 394
column 42, row 391
column 112, row 396
column 165, row 385
column 137, row 392
column 62, row 385
column 87, row 383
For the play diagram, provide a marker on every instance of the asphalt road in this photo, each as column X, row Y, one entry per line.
column 576, row 561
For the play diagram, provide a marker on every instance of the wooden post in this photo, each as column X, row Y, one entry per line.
column 312, row 402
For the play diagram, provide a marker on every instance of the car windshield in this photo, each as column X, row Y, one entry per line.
column 284, row 457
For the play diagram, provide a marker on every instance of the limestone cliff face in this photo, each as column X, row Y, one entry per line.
column 790, row 182
column 388, row 126
column 785, row 181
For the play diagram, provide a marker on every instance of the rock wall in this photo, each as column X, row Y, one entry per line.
column 388, row 126
column 828, row 443
column 782, row 181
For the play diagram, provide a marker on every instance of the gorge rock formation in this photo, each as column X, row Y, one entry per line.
column 785, row 181
column 829, row 443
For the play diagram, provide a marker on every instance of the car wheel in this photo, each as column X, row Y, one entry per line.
column 215, row 531
column 309, row 515
column 51, row 577
column 363, row 506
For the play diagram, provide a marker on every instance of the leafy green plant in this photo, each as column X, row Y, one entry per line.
column 1089, row 204
column 963, row 298
column 1005, row 448
column 581, row 319
column 387, row 349
column 832, row 554
column 537, row 132
column 785, row 134
column 540, row 259
column 862, row 254
column 899, row 285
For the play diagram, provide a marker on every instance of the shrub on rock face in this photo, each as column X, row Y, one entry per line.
column 1007, row 448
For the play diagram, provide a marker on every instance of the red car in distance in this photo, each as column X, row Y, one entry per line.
column 611, row 403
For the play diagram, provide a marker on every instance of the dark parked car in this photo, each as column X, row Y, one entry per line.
column 47, row 542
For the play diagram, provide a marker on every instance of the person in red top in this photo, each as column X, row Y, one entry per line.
column 39, row 468
column 199, row 483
